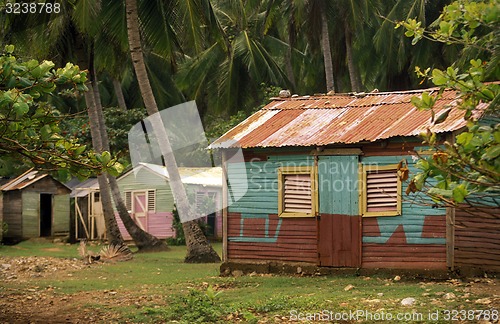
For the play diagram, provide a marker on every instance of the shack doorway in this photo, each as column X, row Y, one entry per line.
column 211, row 230
column 339, row 226
column 45, row 215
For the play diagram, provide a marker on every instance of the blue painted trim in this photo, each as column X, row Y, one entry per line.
column 266, row 239
column 409, row 240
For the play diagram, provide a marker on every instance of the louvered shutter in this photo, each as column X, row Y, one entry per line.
column 200, row 197
column 381, row 191
column 128, row 200
column 151, row 200
column 297, row 196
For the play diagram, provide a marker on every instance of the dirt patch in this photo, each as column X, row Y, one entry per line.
column 35, row 304
column 29, row 303
column 24, row 268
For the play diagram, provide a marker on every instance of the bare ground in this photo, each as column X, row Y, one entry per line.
column 45, row 305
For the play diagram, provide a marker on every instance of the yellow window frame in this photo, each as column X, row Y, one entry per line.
column 311, row 170
column 363, row 170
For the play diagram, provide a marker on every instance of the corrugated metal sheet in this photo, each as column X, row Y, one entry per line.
column 195, row 176
column 23, row 180
column 84, row 188
column 340, row 119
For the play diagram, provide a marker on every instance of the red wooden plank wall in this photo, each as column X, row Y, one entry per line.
column 396, row 253
column 477, row 239
column 296, row 239
column 340, row 241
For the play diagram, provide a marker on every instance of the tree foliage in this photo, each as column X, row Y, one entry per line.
column 465, row 170
column 29, row 125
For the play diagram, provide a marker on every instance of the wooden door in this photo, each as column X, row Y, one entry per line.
column 140, row 209
column 339, row 226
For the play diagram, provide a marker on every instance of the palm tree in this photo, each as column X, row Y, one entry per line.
column 78, row 24
column 198, row 248
column 144, row 241
column 229, row 72
column 397, row 56
column 112, row 231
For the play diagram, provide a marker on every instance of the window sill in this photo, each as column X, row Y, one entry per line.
column 292, row 215
column 378, row 214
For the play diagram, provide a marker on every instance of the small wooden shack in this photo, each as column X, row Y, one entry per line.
column 87, row 209
column 324, row 187
column 150, row 202
column 34, row 205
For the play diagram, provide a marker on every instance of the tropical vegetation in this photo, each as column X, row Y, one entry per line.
column 465, row 169
column 141, row 56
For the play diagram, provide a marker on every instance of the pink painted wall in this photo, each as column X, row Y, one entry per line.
column 159, row 224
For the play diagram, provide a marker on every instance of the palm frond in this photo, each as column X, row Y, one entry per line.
column 114, row 252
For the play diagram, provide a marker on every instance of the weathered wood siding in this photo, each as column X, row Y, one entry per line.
column 1, row 216
column 254, row 229
column 339, row 223
column 60, row 215
column 12, row 211
column 49, row 186
column 31, row 214
column 414, row 240
column 21, row 208
column 477, row 239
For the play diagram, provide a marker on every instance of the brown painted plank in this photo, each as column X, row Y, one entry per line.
column 405, row 265
column 485, row 246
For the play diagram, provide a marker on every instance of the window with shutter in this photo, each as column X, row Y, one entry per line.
column 151, row 200
column 128, row 200
column 297, row 194
column 382, row 191
column 205, row 202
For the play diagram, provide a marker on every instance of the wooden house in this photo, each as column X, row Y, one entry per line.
column 150, row 202
column 87, row 209
column 324, row 187
column 34, row 205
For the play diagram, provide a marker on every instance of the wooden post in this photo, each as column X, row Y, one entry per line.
column 76, row 217
column 224, row 205
column 78, row 212
column 450, row 237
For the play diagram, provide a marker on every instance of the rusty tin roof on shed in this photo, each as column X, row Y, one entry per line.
column 341, row 119
column 24, row 180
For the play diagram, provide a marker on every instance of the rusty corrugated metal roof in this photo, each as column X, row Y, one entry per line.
column 341, row 119
column 24, row 180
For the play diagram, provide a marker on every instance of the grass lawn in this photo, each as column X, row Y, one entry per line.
column 159, row 287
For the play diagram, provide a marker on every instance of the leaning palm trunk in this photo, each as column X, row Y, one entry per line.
column 112, row 231
column 198, row 248
column 144, row 241
column 119, row 94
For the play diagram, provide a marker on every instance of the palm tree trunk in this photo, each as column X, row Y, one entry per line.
column 112, row 231
column 119, row 94
column 351, row 65
column 291, row 44
column 327, row 53
column 144, row 241
column 198, row 248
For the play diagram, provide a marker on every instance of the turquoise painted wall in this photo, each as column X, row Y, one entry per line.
column 338, row 185
column 413, row 214
column 261, row 196
column 339, row 173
